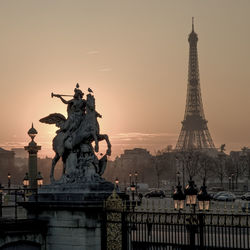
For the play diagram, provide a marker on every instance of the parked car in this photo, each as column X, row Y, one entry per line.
column 246, row 196
column 219, row 194
column 225, row 197
column 245, row 207
column 155, row 193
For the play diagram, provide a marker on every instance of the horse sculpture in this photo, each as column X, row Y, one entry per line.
column 68, row 142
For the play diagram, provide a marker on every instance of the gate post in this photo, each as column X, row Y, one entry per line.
column 192, row 228
column 114, row 222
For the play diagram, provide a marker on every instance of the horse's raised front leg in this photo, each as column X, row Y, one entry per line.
column 106, row 138
column 54, row 161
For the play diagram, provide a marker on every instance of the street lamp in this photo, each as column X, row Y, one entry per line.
column 132, row 188
column 130, row 178
column 232, row 182
column 180, row 158
column 191, row 193
column 136, row 175
column 229, row 182
column 116, row 183
column 9, row 180
column 39, row 179
column 26, row 181
column 178, row 177
column 203, row 198
column 178, row 197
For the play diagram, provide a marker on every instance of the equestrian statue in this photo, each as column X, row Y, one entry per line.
column 74, row 139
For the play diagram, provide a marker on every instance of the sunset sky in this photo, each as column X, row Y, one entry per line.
column 134, row 55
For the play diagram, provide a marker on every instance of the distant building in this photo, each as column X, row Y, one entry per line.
column 134, row 159
column 6, row 164
column 20, row 152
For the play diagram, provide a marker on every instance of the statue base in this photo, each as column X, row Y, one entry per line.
column 74, row 214
column 74, row 192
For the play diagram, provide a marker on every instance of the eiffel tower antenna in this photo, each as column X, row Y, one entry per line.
column 194, row 132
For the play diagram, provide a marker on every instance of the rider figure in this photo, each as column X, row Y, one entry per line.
column 76, row 110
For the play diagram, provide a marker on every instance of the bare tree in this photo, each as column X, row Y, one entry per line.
column 220, row 164
column 238, row 166
column 192, row 163
column 206, row 166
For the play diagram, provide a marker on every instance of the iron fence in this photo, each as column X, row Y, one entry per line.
column 168, row 229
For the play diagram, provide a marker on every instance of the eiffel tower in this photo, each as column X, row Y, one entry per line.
column 194, row 134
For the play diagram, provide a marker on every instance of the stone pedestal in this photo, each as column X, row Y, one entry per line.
column 74, row 214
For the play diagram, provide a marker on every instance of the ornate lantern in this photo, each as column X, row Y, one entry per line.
column 39, row 179
column 116, row 181
column 179, row 198
column 26, row 181
column 132, row 187
column 191, row 193
column 203, row 198
column 32, row 132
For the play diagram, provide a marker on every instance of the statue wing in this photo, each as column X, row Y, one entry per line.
column 55, row 118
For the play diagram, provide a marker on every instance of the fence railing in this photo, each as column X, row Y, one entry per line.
column 156, row 225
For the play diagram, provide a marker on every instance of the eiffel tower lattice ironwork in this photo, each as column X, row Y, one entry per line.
column 194, row 133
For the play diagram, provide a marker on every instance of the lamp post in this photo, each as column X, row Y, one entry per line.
column 132, row 188
column 178, row 177
column 229, row 183
column 116, row 183
column 191, row 194
column 9, row 181
column 130, row 178
column 26, row 183
column 193, row 221
column 203, row 198
column 180, row 158
column 39, row 179
column 26, row 180
column 178, row 197
column 136, row 180
column 232, row 182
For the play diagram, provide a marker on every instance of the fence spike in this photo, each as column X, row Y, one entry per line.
column 218, row 209
column 153, row 205
column 232, row 207
column 136, row 206
column 142, row 205
column 159, row 205
column 239, row 207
